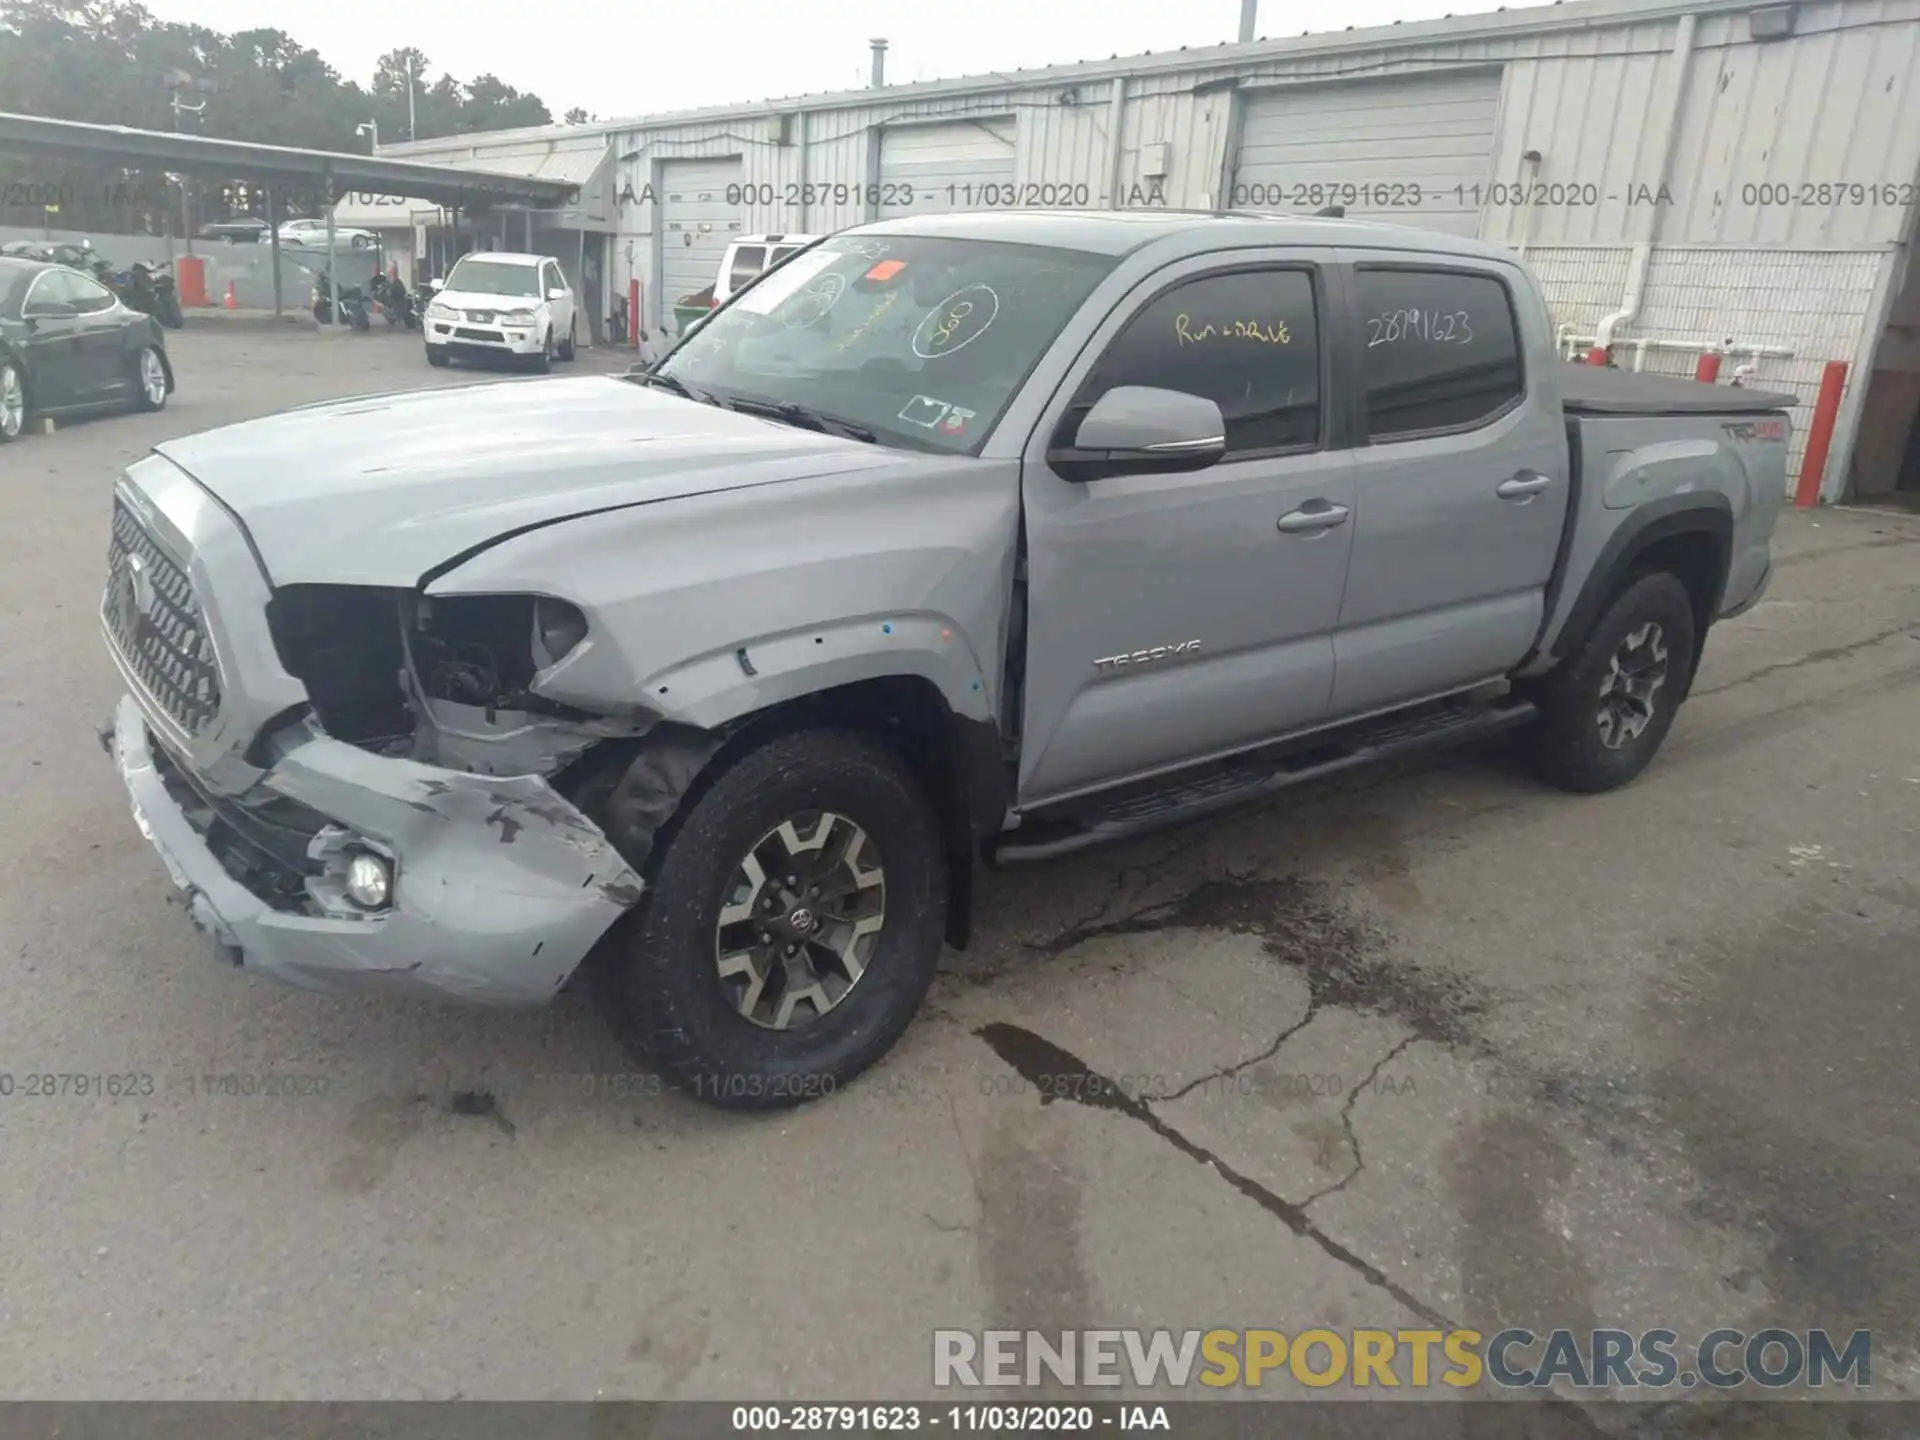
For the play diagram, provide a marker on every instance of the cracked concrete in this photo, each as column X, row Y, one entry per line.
column 1429, row 1046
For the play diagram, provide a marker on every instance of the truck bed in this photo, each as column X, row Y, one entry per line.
column 1596, row 390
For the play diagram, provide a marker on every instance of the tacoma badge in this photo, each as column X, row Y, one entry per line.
column 1143, row 657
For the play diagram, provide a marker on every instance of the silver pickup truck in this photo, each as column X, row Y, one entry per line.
column 976, row 536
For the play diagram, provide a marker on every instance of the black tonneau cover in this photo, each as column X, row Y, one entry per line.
column 1596, row 390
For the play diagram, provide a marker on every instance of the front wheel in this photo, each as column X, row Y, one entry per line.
column 543, row 362
column 571, row 343
column 792, row 927
column 437, row 356
column 1609, row 707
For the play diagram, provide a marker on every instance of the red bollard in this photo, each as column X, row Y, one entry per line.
column 633, row 312
column 1826, row 410
column 1597, row 355
column 1707, row 369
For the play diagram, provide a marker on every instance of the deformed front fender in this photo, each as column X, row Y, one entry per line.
column 711, row 690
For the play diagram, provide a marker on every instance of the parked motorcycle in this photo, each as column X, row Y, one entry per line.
column 396, row 305
column 351, row 304
column 148, row 291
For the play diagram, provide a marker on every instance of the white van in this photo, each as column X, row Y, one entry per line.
column 749, row 255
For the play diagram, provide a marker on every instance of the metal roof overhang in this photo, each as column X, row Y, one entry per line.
column 238, row 159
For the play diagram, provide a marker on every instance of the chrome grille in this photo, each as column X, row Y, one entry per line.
column 154, row 618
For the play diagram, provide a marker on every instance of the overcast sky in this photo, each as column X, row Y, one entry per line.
column 617, row 57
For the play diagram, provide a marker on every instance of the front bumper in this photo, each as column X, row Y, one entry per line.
column 501, row 886
column 468, row 338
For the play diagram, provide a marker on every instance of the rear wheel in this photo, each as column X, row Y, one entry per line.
column 13, row 401
column 149, row 380
column 793, row 925
column 1608, row 709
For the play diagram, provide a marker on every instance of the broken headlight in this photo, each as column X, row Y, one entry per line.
column 557, row 628
column 486, row 649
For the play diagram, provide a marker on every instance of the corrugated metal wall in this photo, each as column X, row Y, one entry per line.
column 1762, row 127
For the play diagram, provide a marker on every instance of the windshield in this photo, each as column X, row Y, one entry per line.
column 922, row 340
column 491, row 277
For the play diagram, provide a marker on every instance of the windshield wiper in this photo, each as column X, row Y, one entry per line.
column 792, row 414
column 667, row 382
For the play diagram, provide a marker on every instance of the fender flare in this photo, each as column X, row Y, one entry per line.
column 1705, row 512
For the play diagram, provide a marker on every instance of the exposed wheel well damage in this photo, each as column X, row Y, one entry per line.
column 638, row 790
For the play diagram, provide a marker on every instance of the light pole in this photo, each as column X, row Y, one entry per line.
column 178, row 80
column 412, row 134
column 371, row 128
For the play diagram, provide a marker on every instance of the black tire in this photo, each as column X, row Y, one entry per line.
column 13, row 381
column 1585, row 742
column 569, row 345
column 543, row 362
column 661, row 979
column 437, row 356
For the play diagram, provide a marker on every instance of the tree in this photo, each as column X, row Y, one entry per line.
column 108, row 61
column 492, row 104
column 577, row 116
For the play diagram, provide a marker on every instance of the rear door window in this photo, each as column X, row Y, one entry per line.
column 1439, row 351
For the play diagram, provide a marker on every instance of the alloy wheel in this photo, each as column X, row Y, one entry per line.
column 153, row 377
column 802, row 914
column 1635, row 673
column 13, row 402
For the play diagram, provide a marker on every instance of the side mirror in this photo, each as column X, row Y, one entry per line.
column 436, row 284
column 1143, row 430
column 556, row 294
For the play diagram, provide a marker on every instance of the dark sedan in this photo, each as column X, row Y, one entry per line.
column 68, row 345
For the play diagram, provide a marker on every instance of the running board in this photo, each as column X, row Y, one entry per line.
column 1246, row 779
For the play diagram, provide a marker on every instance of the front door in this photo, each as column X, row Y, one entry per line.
column 1175, row 617
column 56, row 342
column 562, row 310
column 1462, row 476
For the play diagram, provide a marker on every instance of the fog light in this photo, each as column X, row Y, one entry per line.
column 369, row 881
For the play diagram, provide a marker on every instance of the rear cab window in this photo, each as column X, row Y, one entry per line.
column 1439, row 351
column 748, row 261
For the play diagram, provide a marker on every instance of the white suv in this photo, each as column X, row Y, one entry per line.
column 505, row 305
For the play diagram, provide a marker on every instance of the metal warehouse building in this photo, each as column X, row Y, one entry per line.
column 1681, row 177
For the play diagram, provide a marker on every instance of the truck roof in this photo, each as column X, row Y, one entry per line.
column 1119, row 232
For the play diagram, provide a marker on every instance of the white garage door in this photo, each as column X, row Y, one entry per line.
column 696, row 224
column 926, row 169
column 1372, row 146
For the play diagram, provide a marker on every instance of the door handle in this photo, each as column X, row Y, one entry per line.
column 1314, row 515
column 1523, row 486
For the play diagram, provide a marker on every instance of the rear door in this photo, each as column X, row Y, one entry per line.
column 103, row 362
column 1173, row 617
column 1461, row 475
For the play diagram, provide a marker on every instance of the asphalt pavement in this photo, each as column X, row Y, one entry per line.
column 1435, row 1046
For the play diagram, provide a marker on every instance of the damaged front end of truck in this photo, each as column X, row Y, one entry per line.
column 364, row 787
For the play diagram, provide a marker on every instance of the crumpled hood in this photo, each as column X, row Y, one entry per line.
column 379, row 490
